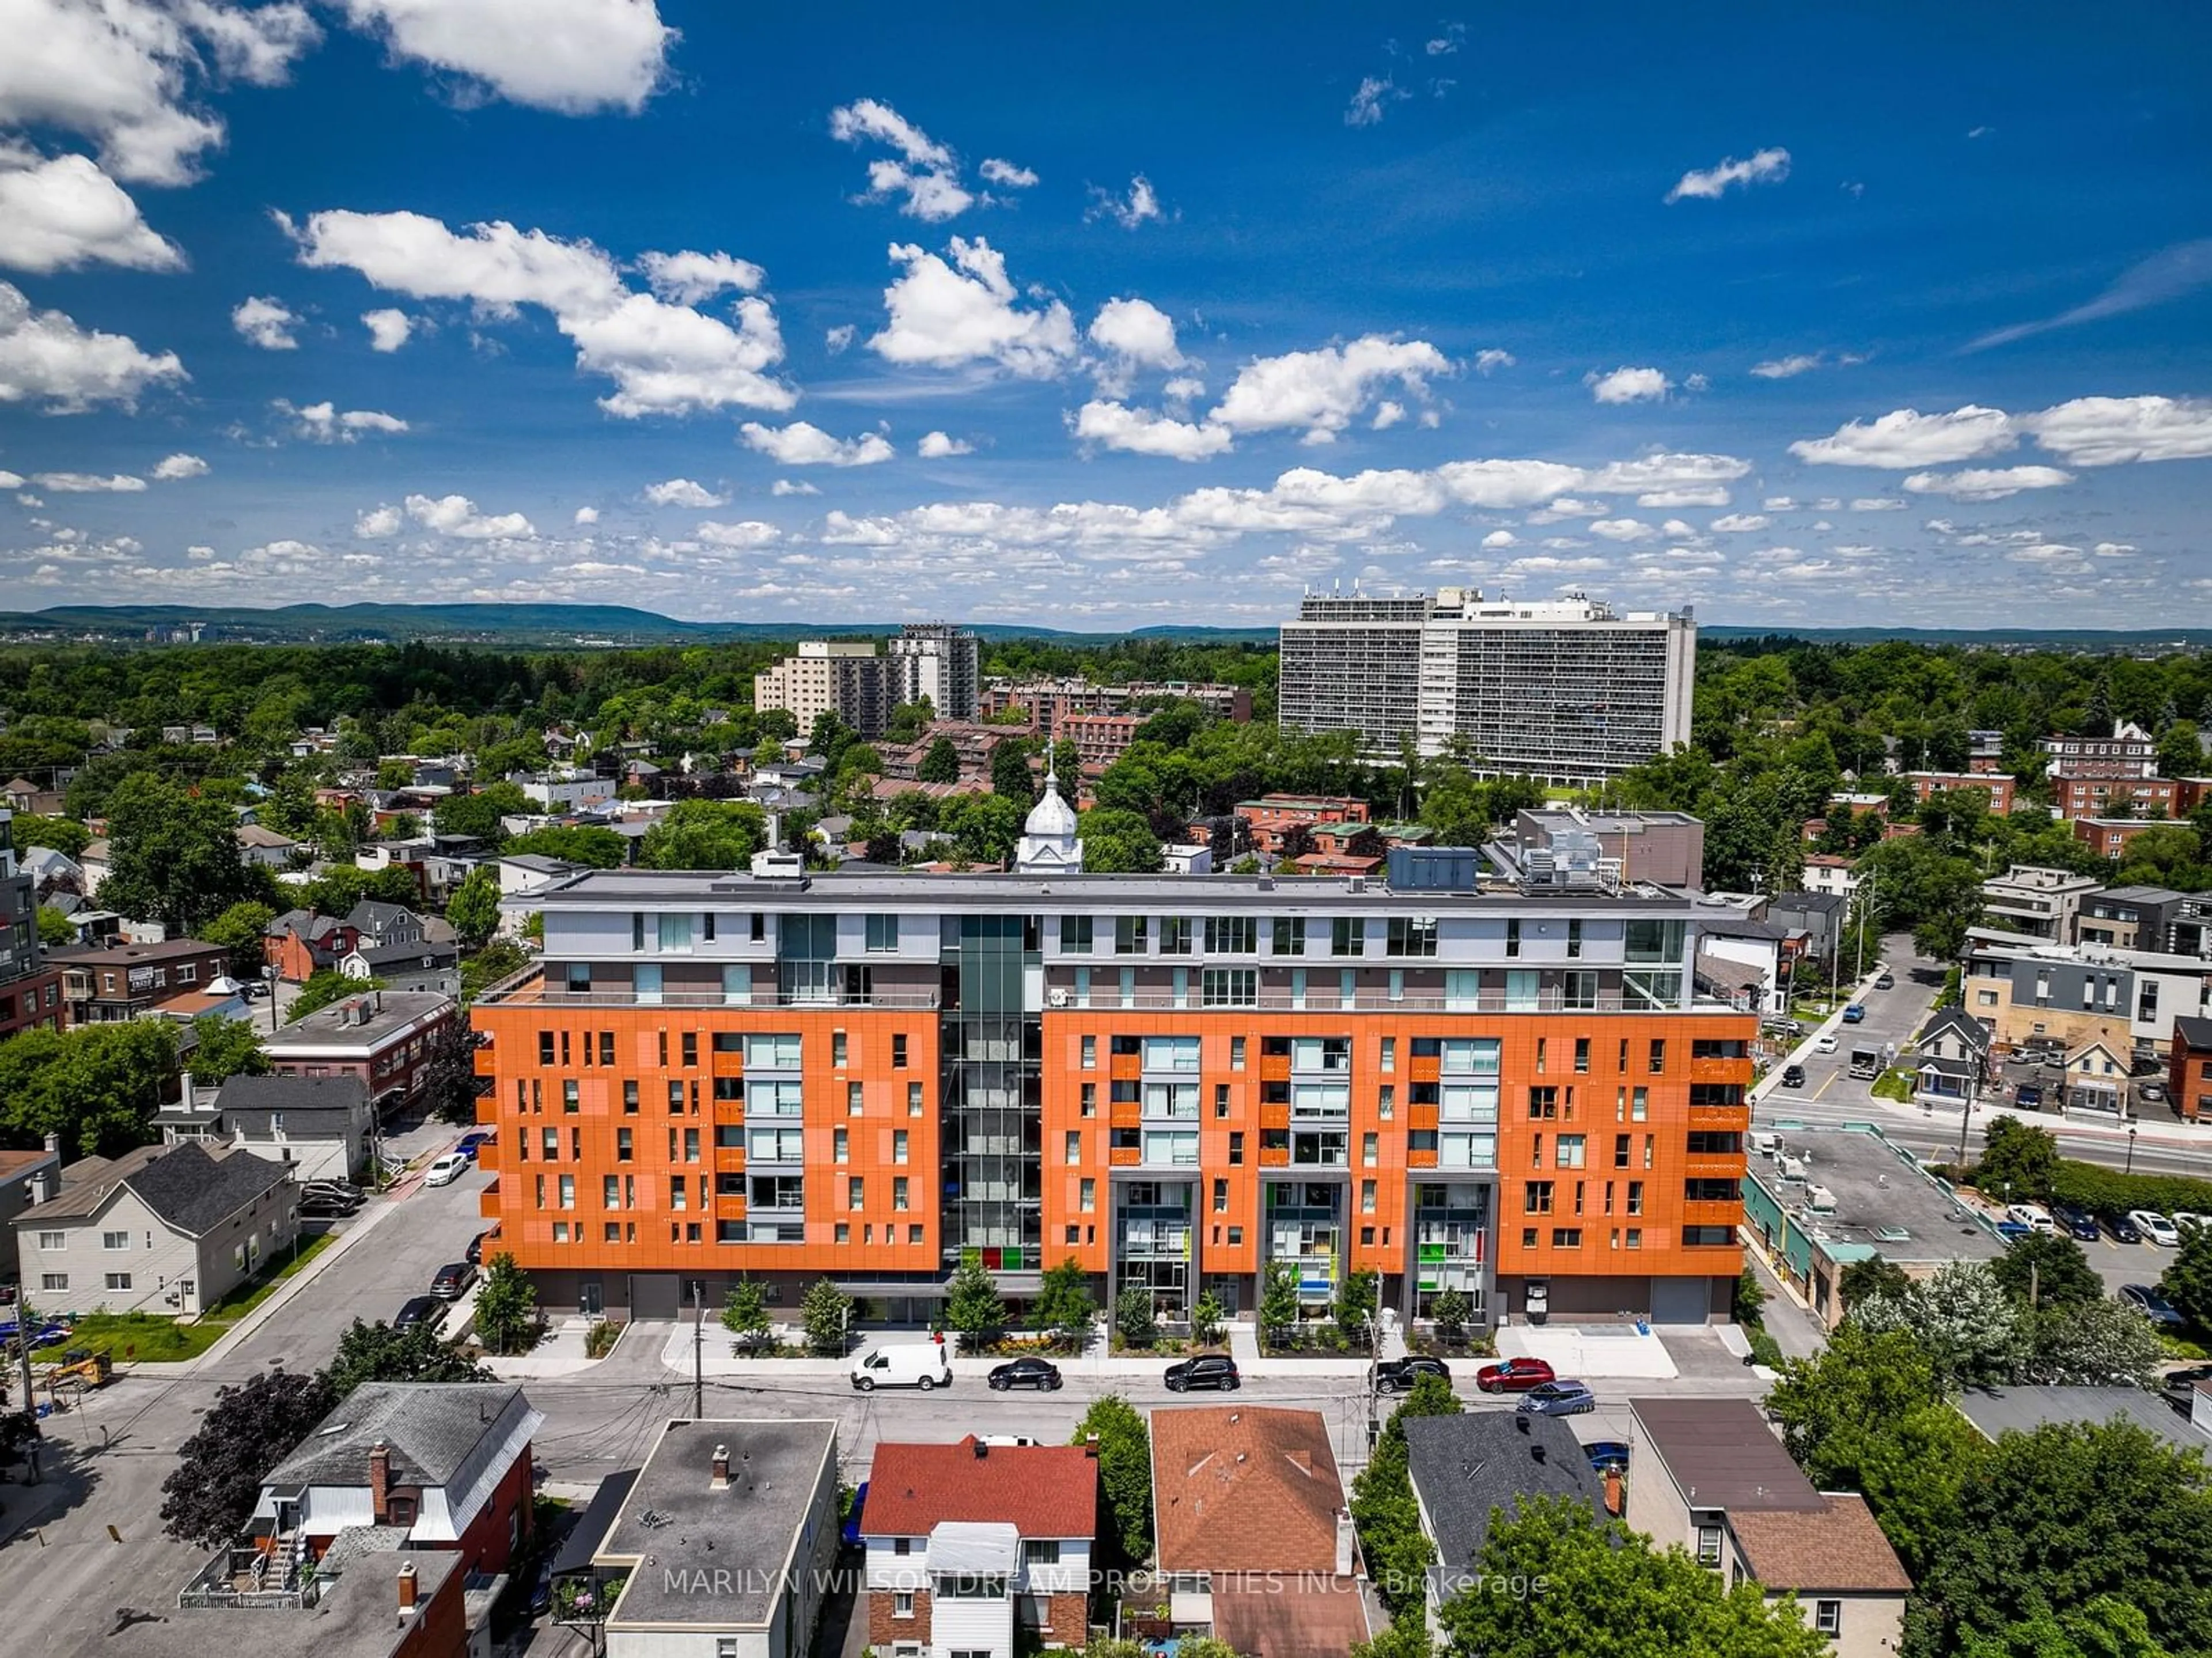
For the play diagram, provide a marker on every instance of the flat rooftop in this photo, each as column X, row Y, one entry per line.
column 387, row 1013
column 718, row 1555
column 1885, row 1204
column 1998, row 1411
column 355, row 1616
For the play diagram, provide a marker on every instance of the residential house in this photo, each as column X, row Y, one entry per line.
column 21, row 794
column 969, row 1543
column 723, row 1545
column 570, row 791
column 265, row 846
column 321, row 1127
column 523, row 874
column 2189, row 1068
column 1995, row 1411
column 163, row 1229
column 1252, row 1531
column 2096, row 1077
column 2038, row 901
column 1100, row 739
column 444, row 1463
column 2129, row 751
column 1984, row 751
column 1713, row 1478
column 95, row 861
column 1818, row 918
column 399, row 947
column 1954, row 1058
column 1271, row 818
column 300, row 943
column 1471, row 1468
column 1831, row 872
column 1742, row 959
column 1663, row 848
column 2130, row 918
column 385, row 1037
column 25, row 1178
column 104, row 985
column 53, row 874
column 371, row 1597
column 30, row 983
column 2041, row 995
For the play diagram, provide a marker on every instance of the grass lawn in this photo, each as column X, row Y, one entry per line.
column 147, row 1339
column 1894, row 1085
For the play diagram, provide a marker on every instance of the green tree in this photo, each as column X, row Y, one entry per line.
column 477, row 815
column 1063, row 1308
column 1120, row 843
column 705, row 834
column 2179, row 753
column 1961, row 1318
column 2047, row 1269
column 54, row 928
column 1134, row 1318
column 1208, row 1318
column 2186, row 1281
column 450, row 1085
column 1872, row 1277
column 1406, row 1638
column 250, row 1428
column 1125, row 1475
column 972, row 1307
column 243, row 929
column 940, row 763
column 2091, row 1344
column 825, row 1313
column 1010, row 771
column 63, row 834
column 474, row 908
column 97, row 1086
column 2063, row 1517
column 1279, row 1301
column 984, row 828
column 586, row 844
column 377, row 1352
column 225, row 1048
column 2017, row 1159
column 323, row 988
column 1608, row 1591
column 508, row 1319
column 744, row 1314
column 1384, row 1509
column 1450, row 1311
column 1356, row 1299
column 173, row 856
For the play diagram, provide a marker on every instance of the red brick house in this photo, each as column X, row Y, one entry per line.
column 1016, row 1521
column 446, row 1462
column 2189, row 1077
column 300, row 943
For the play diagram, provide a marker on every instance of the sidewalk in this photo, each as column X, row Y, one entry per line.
column 716, row 1358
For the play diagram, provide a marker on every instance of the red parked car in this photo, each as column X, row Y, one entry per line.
column 1513, row 1375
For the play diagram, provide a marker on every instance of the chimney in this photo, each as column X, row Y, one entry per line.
column 54, row 1144
column 41, row 1188
column 379, row 1481
column 406, row 1588
column 1613, row 1494
column 1346, row 1543
column 1090, row 1446
column 982, row 1450
column 721, row 1482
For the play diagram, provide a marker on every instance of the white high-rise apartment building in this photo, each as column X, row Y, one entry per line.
column 939, row 661
column 1563, row 689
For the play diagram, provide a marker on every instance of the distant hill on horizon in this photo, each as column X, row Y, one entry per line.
column 586, row 626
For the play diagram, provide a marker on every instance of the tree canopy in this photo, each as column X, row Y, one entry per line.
column 251, row 1428
column 174, row 857
column 96, row 1086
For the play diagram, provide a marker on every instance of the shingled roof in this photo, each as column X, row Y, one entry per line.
column 1240, row 1488
column 191, row 1189
column 430, row 1429
column 1466, row 1467
column 1838, row 1547
column 1043, row 1490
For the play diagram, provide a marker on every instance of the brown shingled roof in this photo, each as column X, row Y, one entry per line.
column 1237, row 1488
column 1838, row 1547
column 1042, row 1490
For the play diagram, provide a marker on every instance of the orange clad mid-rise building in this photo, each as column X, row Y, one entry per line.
column 1181, row 1082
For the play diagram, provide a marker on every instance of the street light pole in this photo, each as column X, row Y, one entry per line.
column 2131, row 1168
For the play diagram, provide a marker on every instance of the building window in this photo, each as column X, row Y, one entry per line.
column 1087, row 1196
column 107, row 1240
column 902, row 1600
column 53, row 1281
column 1229, row 986
column 1236, row 1148
column 1235, row 1052
column 1175, row 935
column 1411, row 935
column 1709, row 1546
column 1536, row 1198
column 119, row 1280
column 1658, row 1055
column 1289, row 935
column 1130, row 934
column 898, row 1052
column 883, row 934
column 53, row 1240
column 1347, row 936
column 856, row 1191
column 1569, row 1151
column 898, row 1192
column 1075, row 935
column 1582, row 1054
column 1828, row 1616
column 1566, row 1237
column 841, row 1146
column 855, row 1099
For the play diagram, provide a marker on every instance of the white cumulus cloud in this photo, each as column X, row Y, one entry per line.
column 1905, row 439
column 64, row 213
column 1628, row 386
column 998, row 171
column 457, row 516
column 1491, row 361
column 573, row 57
column 324, row 422
column 1497, row 538
column 1622, row 528
column 939, row 446
column 1766, row 167
column 750, row 533
column 1324, row 391
column 1986, row 484
column 943, row 314
column 664, row 359
column 687, row 278
column 804, row 444
column 792, row 487
column 388, row 329
column 172, row 468
column 586, row 516
column 45, row 357
column 1140, row 432
column 377, row 523
column 682, row 492
column 1129, row 211
column 265, row 322
column 1373, row 95
column 87, row 484
column 926, row 174
column 2106, row 431
column 1738, row 523
column 1707, row 494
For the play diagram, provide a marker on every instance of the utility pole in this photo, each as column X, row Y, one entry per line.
column 698, row 1351
column 30, row 1395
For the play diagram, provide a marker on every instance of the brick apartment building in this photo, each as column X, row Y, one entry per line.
column 1174, row 1083
column 384, row 1037
column 103, row 985
column 1998, row 786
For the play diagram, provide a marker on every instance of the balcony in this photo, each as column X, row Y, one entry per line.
column 1721, row 1071
column 248, row 1579
column 530, row 989
column 1125, row 1156
column 1725, row 1118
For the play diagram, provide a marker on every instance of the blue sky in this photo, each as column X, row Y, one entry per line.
column 1158, row 315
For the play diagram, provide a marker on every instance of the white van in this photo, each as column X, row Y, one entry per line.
column 2032, row 1216
column 910, row 1364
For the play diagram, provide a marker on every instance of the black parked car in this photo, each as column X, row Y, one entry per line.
column 2123, row 1230
column 2146, row 1299
column 474, row 1254
column 2080, row 1224
column 1399, row 1375
column 1037, row 1373
column 452, row 1280
column 419, row 1310
column 1207, row 1370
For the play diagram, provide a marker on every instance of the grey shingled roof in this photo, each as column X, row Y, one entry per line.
column 196, row 1192
column 429, row 953
column 1956, row 1018
column 248, row 1102
column 430, row 1428
column 1466, row 1466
